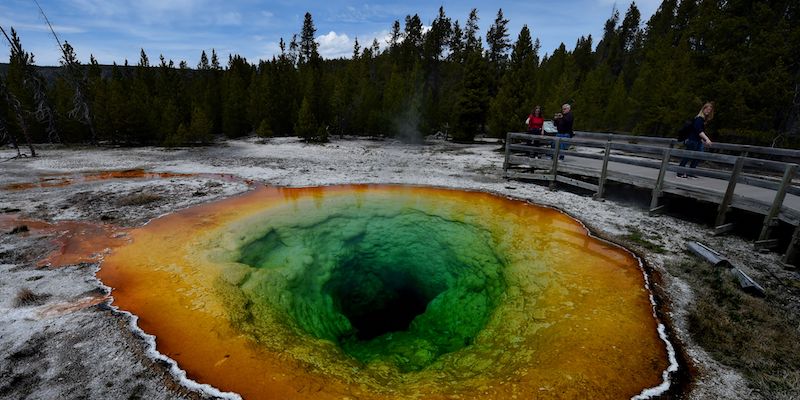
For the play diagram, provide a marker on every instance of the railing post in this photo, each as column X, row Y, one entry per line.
column 778, row 202
column 556, row 152
column 601, row 183
column 794, row 245
column 660, row 182
column 505, row 163
column 726, row 200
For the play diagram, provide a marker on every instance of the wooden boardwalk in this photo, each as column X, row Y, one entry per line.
column 742, row 179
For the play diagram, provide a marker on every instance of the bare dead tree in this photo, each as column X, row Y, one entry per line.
column 75, row 77
column 34, row 82
column 5, row 134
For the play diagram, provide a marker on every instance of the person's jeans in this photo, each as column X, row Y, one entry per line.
column 693, row 145
column 563, row 146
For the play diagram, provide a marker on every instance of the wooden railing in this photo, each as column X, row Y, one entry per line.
column 646, row 161
column 757, row 152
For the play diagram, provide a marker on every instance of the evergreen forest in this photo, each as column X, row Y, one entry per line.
column 642, row 77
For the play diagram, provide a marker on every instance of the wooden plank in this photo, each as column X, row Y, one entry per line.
column 692, row 192
column 721, row 175
column 722, row 210
column 660, row 180
column 584, row 143
column 722, row 229
column 639, row 163
column 522, row 160
column 704, row 155
column 519, row 135
column 761, row 182
column 573, row 169
column 780, row 195
column 762, row 164
column 530, row 176
column 789, row 216
column 749, row 204
column 747, row 284
column 578, row 183
column 638, row 181
column 526, row 148
column 766, row 244
column 657, row 210
column 772, row 151
column 615, row 137
column 590, row 156
column 603, row 172
column 637, row 148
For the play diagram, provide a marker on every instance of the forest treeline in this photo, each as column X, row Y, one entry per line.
column 646, row 78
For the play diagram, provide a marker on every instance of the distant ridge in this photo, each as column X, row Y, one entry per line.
column 50, row 73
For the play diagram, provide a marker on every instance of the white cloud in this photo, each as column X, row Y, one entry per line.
column 333, row 45
column 42, row 27
column 269, row 50
column 99, row 7
column 230, row 18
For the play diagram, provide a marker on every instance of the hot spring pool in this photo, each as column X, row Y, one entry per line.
column 376, row 292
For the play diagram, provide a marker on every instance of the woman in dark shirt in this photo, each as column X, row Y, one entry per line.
column 698, row 138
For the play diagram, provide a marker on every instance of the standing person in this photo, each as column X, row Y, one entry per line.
column 697, row 137
column 563, row 122
column 535, row 121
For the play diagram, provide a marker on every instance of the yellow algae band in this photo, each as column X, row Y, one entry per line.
column 390, row 292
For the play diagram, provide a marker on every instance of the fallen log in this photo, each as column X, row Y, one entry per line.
column 746, row 283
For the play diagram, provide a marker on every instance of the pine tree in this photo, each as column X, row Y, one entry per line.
column 437, row 39
column 308, row 44
column 215, row 60
column 456, row 44
column 411, row 48
column 200, row 127
column 235, row 97
column 498, row 43
column 472, row 104
column 203, row 64
column 507, row 110
column 394, row 38
column 306, row 126
column 472, row 42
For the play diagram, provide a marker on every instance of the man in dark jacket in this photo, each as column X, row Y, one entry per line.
column 563, row 122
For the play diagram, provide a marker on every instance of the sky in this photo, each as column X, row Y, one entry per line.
column 117, row 30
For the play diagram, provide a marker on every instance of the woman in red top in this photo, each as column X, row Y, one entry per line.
column 535, row 121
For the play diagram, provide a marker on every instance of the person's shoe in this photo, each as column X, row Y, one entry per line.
column 560, row 157
column 691, row 176
column 682, row 176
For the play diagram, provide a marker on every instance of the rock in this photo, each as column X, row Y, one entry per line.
column 19, row 229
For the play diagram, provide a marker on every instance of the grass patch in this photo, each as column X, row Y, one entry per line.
column 138, row 199
column 638, row 237
column 26, row 297
column 756, row 336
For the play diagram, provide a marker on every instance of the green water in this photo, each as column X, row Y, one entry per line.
column 384, row 282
